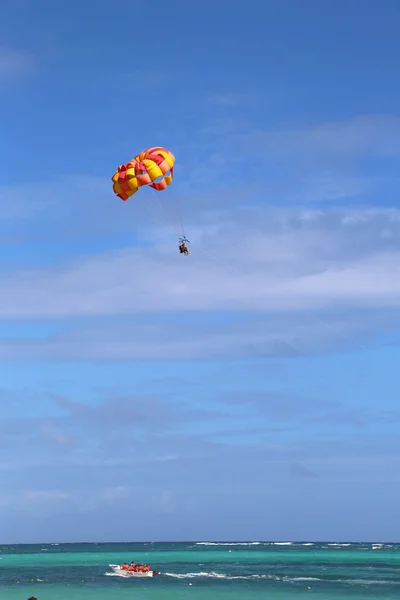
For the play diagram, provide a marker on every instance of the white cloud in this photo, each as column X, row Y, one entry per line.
column 300, row 265
column 276, row 277
column 185, row 341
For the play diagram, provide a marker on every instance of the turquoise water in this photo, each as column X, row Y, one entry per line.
column 202, row 571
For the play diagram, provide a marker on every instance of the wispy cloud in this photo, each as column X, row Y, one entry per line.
column 366, row 134
column 14, row 63
column 293, row 260
column 48, row 496
column 322, row 162
column 273, row 267
column 301, row 471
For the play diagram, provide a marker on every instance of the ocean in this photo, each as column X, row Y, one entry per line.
column 202, row 571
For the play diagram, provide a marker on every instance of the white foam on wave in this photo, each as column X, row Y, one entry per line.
column 301, row 579
column 259, row 544
column 228, row 543
column 282, row 544
column 124, row 574
column 344, row 581
column 369, row 582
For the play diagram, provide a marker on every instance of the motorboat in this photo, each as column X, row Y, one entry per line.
column 118, row 570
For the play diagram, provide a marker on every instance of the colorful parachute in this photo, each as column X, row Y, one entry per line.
column 145, row 169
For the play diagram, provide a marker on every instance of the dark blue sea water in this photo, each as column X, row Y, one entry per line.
column 203, row 571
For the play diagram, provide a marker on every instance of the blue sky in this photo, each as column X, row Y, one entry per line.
column 249, row 391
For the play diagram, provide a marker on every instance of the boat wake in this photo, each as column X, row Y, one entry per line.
column 285, row 579
column 215, row 575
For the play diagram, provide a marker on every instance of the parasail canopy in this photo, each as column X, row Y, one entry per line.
column 153, row 167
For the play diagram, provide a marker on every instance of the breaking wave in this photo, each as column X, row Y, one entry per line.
column 250, row 544
column 229, row 543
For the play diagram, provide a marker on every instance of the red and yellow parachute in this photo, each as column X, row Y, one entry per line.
column 153, row 167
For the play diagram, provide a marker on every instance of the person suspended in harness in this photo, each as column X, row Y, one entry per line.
column 183, row 249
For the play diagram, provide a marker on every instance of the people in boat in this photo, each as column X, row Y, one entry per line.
column 136, row 568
